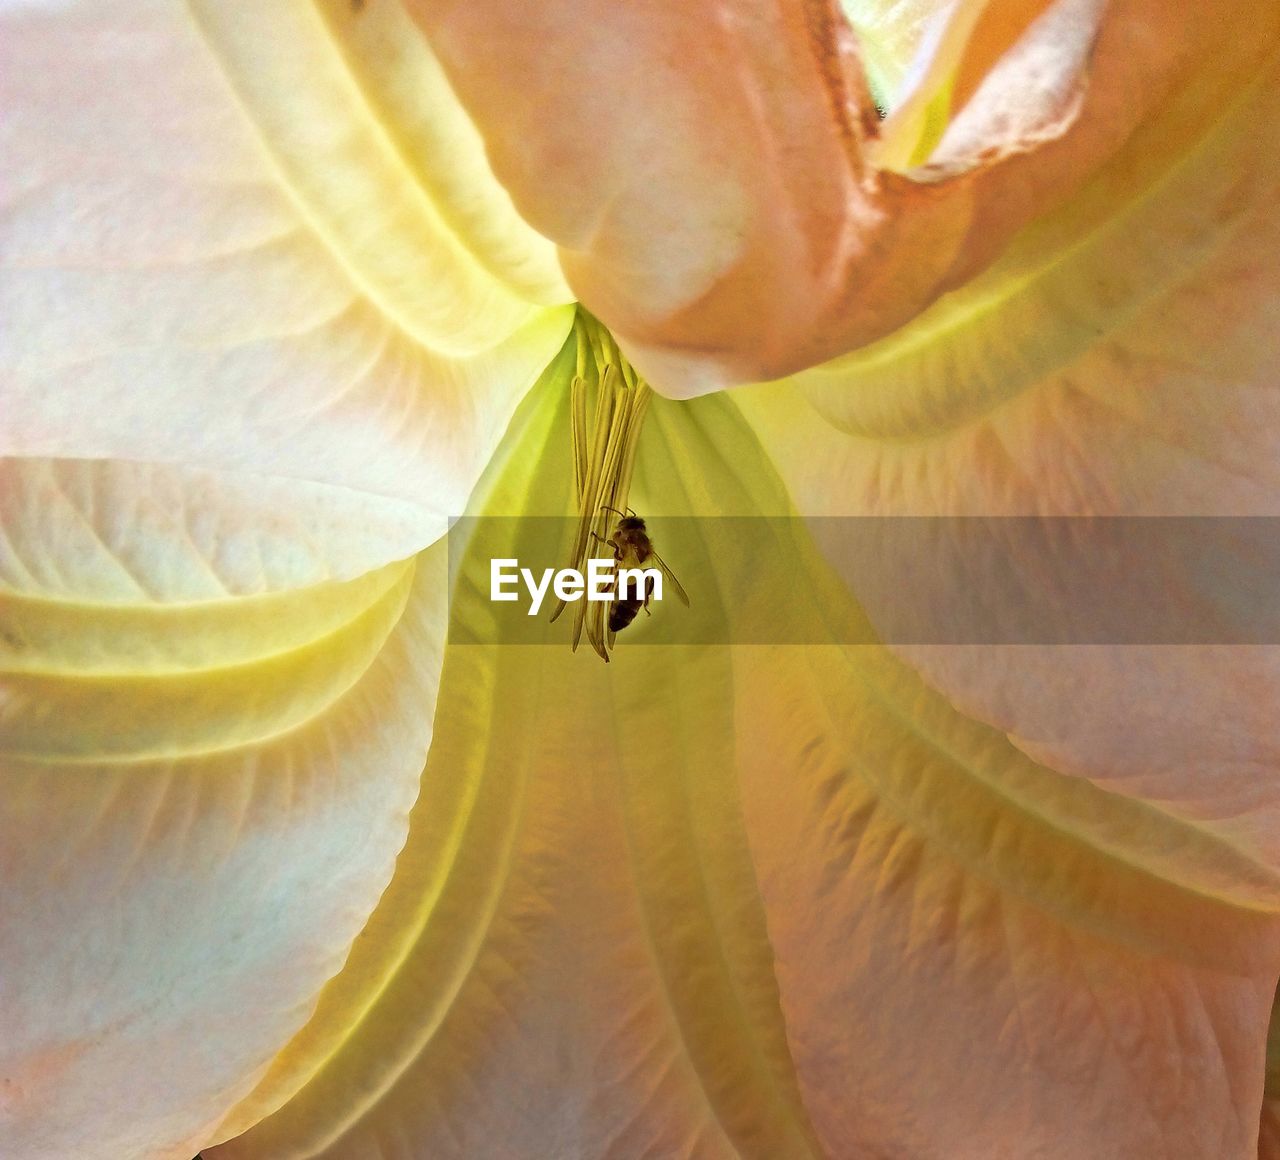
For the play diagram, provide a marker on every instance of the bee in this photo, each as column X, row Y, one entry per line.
column 632, row 548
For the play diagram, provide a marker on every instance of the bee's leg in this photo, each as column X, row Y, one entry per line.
column 616, row 551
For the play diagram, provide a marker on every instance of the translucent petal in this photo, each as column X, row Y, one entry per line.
column 572, row 958
column 98, row 533
column 390, row 171
column 999, row 78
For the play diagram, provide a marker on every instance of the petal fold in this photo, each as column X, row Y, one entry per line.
column 746, row 227
column 202, row 793
column 959, row 971
column 1133, row 376
column 387, row 167
column 235, row 263
column 613, row 890
column 571, row 958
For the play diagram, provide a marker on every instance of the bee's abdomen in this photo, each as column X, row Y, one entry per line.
column 622, row 613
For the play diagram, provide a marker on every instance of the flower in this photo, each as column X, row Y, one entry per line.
column 283, row 290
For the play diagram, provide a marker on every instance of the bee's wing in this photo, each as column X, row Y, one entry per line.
column 671, row 576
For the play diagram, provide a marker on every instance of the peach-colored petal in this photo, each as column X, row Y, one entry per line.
column 208, row 752
column 1133, row 374
column 970, row 972
column 184, row 279
column 742, row 228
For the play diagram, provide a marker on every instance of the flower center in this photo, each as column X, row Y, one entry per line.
column 608, row 401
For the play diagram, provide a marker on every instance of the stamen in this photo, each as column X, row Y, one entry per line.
column 607, row 405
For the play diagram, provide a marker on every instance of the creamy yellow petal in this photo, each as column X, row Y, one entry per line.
column 191, row 276
column 571, row 959
column 237, row 399
column 356, row 113
column 209, row 749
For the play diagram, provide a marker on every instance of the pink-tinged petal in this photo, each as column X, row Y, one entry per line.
column 978, row 957
column 973, row 948
column 667, row 222
column 1132, row 375
column 208, row 263
column 209, row 749
column 745, row 226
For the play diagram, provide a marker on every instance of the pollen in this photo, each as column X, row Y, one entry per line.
column 607, row 406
